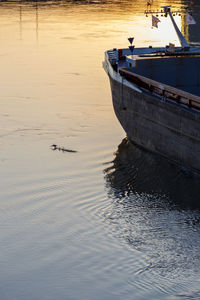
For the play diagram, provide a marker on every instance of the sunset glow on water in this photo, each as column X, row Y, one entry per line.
column 107, row 220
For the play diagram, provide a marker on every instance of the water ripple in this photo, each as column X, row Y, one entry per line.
column 148, row 212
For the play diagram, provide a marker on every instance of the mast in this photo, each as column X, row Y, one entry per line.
column 167, row 11
column 181, row 38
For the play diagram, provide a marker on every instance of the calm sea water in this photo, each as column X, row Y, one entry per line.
column 109, row 221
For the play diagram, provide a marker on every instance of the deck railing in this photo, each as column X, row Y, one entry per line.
column 163, row 90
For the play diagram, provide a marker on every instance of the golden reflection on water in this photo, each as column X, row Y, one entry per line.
column 53, row 90
column 48, row 48
column 51, row 58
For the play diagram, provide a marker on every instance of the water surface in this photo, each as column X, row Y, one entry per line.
column 109, row 221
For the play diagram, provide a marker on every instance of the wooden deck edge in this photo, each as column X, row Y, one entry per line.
column 177, row 95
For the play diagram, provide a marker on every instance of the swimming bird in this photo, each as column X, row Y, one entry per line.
column 55, row 147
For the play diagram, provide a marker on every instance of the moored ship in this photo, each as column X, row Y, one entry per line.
column 156, row 97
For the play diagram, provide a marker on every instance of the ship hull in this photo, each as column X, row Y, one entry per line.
column 159, row 126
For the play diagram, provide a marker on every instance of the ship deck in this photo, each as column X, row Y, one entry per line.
column 181, row 72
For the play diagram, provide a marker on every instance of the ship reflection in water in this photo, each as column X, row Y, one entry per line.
column 137, row 171
column 154, row 209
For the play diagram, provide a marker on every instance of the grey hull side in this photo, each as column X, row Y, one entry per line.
column 158, row 126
